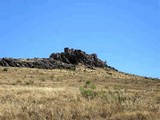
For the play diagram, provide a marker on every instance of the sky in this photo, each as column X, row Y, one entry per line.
column 125, row 33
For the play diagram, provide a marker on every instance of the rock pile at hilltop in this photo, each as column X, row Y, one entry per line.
column 71, row 56
column 67, row 60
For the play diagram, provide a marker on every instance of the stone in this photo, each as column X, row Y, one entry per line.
column 78, row 56
column 44, row 63
column 65, row 60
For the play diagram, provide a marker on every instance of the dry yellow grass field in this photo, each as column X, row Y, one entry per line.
column 81, row 94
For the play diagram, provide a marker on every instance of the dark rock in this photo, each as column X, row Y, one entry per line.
column 45, row 63
column 75, row 57
column 65, row 60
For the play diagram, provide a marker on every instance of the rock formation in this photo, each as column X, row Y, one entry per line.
column 65, row 60
column 42, row 63
column 71, row 56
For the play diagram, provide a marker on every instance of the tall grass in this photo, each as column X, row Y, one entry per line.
column 34, row 94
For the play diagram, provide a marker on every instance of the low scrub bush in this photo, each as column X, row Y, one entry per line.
column 88, row 91
column 5, row 69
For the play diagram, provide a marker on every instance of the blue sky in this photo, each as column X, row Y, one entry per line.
column 125, row 33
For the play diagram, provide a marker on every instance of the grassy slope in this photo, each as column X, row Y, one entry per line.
column 55, row 95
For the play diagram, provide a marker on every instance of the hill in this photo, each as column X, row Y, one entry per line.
column 86, row 92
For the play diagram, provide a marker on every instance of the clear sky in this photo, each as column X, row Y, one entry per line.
column 125, row 33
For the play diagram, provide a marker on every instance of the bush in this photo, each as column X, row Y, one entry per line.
column 90, row 85
column 5, row 69
column 88, row 91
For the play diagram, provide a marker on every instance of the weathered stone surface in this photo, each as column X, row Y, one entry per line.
column 72, row 56
column 43, row 63
column 65, row 60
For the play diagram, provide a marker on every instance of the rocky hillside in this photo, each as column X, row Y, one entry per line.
column 67, row 60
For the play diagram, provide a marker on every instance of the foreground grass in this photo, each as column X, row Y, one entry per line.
column 34, row 94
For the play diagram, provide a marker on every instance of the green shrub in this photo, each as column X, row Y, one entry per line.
column 88, row 91
column 90, row 85
column 5, row 69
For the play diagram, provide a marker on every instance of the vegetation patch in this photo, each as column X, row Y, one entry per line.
column 37, row 94
column 88, row 90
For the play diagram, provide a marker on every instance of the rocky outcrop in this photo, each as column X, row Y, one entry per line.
column 65, row 60
column 71, row 56
column 43, row 63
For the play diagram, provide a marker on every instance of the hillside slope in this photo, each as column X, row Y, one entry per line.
column 83, row 93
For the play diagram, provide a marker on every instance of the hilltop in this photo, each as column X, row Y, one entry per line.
column 73, row 85
column 65, row 60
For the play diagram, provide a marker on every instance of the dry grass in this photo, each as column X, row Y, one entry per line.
column 35, row 94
